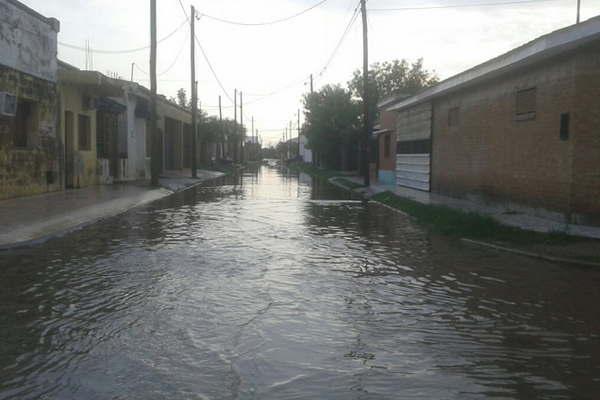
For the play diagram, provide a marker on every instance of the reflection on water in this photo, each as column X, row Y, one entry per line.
column 274, row 286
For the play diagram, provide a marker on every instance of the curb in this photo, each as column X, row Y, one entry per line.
column 62, row 232
column 539, row 256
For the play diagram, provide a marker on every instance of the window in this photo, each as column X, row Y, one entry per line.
column 526, row 104
column 387, row 141
column 84, row 133
column 23, row 123
column 453, row 116
column 564, row 126
column 414, row 147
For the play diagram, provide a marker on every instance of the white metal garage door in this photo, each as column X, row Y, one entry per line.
column 413, row 171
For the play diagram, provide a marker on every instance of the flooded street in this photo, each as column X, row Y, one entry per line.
column 272, row 286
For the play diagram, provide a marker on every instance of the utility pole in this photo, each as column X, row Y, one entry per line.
column 194, row 149
column 311, row 83
column 298, row 133
column 252, row 136
column 222, row 131
column 242, row 126
column 154, row 142
column 132, row 65
column 366, row 116
column 235, row 147
column 578, row 10
column 291, row 141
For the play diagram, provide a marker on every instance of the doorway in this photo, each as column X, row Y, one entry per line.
column 69, row 151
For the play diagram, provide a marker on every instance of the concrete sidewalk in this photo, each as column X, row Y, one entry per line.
column 30, row 220
column 501, row 214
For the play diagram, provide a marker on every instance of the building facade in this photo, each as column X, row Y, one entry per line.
column 30, row 150
column 521, row 130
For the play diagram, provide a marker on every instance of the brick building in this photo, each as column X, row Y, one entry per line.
column 521, row 130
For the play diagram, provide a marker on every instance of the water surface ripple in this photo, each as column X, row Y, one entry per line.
column 272, row 286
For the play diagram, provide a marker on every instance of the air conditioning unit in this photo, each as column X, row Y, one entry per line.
column 8, row 104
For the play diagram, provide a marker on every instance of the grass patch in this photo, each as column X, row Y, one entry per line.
column 461, row 224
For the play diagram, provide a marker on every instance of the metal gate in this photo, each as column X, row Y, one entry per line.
column 413, row 171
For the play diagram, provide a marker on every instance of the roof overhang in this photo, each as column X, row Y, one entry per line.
column 91, row 80
column 540, row 49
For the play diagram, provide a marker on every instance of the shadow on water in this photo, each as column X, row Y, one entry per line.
column 273, row 285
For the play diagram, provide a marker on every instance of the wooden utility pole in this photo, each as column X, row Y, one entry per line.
column 154, row 142
column 235, row 143
column 366, row 117
column 252, row 136
column 194, row 148
column 132, row 65
column 578, row 10
column 222, row 131
column 242, row 126
column 311, row 83
column 291, row 141
column 298, row 133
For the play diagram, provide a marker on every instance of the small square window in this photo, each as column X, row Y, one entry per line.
column 526, row 104
column 454, row 116
column 84, row 133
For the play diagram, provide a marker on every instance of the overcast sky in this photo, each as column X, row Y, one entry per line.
column 266, row 59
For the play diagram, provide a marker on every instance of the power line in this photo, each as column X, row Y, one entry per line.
column 170, row 67
column 458, row 5
column 339, row 44
column 272, row 22
column 212, row 70
column 135, row 50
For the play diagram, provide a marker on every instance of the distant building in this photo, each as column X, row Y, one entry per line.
column 30, row 151
column 305, row 151
column 521, row 130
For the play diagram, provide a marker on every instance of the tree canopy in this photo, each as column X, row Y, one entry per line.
column 332, row 122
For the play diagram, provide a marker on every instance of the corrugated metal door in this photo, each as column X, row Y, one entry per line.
column 413, row 171
column 413, row 151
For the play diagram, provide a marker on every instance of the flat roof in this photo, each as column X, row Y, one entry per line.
column 544, row 47
column 53, row 22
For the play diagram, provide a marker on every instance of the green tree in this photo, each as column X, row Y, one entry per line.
column 392, row 78
column 332, row 125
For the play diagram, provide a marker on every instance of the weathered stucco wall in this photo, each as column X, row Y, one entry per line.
column 34, row 168
column 28, row 41
column 84, row 163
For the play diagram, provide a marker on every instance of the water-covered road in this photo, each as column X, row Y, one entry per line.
column 275, row 287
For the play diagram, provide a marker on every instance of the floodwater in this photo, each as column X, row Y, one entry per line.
column 272, row 286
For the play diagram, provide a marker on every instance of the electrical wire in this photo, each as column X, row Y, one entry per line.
column 134, row 50
column 212, row 70
column 341, row 41
column 263, row 23
column 458, row 6
column 170, row 67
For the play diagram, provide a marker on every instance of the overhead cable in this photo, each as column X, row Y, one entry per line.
column 458, row 5
column 134, row 50
column 262, row 23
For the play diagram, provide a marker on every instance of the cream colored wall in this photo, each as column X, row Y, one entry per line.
column 85, row 164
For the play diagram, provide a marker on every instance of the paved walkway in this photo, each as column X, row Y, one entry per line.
column 500, row 214
column 29, row 220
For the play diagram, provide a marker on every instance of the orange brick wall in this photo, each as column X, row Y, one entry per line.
column 585, row 197
column 492, row 155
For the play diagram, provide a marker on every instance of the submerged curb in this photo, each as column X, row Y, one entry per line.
column 531, row 254
column 167, row 192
